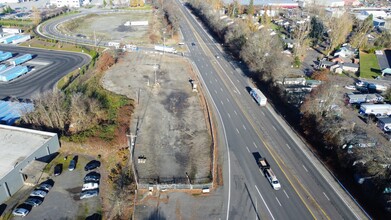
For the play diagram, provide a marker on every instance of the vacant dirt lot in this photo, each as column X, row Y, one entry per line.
column 171, row 130
column 110, row 27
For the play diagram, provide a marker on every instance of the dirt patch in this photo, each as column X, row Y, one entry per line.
column 172, row 133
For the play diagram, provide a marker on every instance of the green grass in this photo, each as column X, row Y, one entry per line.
column 369, row 66
column 18, row 23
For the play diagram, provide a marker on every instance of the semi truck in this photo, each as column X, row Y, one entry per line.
column 259, row 97
column 375, row 109
column 268, row 172
column 165, row 49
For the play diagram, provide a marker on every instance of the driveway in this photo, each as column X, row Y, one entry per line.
column 63, row 200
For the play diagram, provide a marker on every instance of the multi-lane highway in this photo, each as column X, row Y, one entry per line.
column 308, row 190
column 48, row 67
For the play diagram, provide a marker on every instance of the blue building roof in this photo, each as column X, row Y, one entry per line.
column 12, row 111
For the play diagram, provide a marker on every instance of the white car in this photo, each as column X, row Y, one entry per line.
column 38, row 193
column 88, row 186
column 20, row 212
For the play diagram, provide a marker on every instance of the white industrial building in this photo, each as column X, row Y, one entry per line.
column 24, row 154
column 322, row 3
column 69, row 3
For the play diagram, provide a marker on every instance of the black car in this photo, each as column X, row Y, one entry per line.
column 34, row 201
column 92, row 177
column 92, row 165
column 193, row 44
column 58, row 169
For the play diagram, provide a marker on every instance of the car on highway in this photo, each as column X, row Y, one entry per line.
column 45, row 186
column 193, row 44
column 58, row 169
column 272, row 179
column 21, row 210
column 38, row 193
column 93, row 164
column 92, row 177
column 34, row 201
column 89, row 194
column 217, row 56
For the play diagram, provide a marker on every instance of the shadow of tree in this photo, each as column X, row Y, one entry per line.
column 156, row 215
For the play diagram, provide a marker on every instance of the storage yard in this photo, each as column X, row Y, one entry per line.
column 10, row 69
column 173, row 142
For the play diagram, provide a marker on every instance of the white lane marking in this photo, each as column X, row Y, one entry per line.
column 228, row 100
column 255, row 145
column 248, row 149
column 278, row 201
column 237, row 131
column 286, row 194
column 244, row 127
column 221, row 89
column 305, row 168
column 274, row 128
column 210, row 81
column 326, row 196
column 206, row 73
column 215, row 79
column 239, row 82
column 229, row 115
column 263, row 113
column 222, row 102
column 235, row 91
column 215, row 91
column 288, row 146
column 235, row 112
column 261, row 172
column 265, row 203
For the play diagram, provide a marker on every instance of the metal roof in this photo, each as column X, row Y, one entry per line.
column 18, row 143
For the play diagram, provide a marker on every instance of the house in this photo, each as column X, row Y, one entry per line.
column 345, row 51
column 384, row 123
column 350, row 67
column 294, row 81
column 364, row 98
column 340, row 59
column 337, row 68
column 313, row 83
column 386, row 71
column 324, row 64
column 378, row 22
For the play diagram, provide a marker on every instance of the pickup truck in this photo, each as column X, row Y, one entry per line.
column 88, row 186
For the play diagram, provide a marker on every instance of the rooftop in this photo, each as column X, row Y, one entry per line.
column 18, row 143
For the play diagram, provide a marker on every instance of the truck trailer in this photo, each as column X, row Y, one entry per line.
column 375, row 109
column 258, row 96
column 21, row 59
column 165, row 49
column 267, row 171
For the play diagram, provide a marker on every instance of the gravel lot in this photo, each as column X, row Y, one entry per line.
column 172, row 133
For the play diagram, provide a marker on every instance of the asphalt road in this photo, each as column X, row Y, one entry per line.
column 305, row 192
column 48, row 68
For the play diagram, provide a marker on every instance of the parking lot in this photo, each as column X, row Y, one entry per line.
column 63, row 200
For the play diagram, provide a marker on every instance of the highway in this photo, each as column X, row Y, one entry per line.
column 247, row 128
column 308, row 189
column 48, row 67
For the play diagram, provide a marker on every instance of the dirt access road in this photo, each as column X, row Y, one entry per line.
column 172, row 131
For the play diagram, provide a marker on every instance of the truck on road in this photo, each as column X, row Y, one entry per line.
column 258, row 96
column 268, row 172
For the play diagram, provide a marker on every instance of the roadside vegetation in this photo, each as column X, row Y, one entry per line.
column 329, row 129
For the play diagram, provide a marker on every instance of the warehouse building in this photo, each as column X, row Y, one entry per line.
column 24, row 154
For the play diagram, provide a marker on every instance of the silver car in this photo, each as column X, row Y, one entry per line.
column 38, row 193
column 88, row 194
column 20, row 212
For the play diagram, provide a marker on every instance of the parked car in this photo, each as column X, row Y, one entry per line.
column 92, row 177
column 88, row 194
column 58, row 169
column 45, row 186
column 89, row 186
column 351, row 87
column 92, row 165
column 72, row 165
column 34, row 201
column 21, row 210
column 38, row 193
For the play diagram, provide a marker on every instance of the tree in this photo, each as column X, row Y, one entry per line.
column 384, row 41
column 317, row 30
column 339, row 30
column 236, row 35
column 37, row 16
column 251, row 10
column 265, row 20
column 359, row 38
column 301, row 40
column 104, row 3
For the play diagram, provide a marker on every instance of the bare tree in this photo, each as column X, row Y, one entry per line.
column 301, row 40
column 359, row 38
column 339, row 30
column 37, row 16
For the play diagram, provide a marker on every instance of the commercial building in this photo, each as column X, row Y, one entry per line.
column 24, row 154
column 67, row 3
